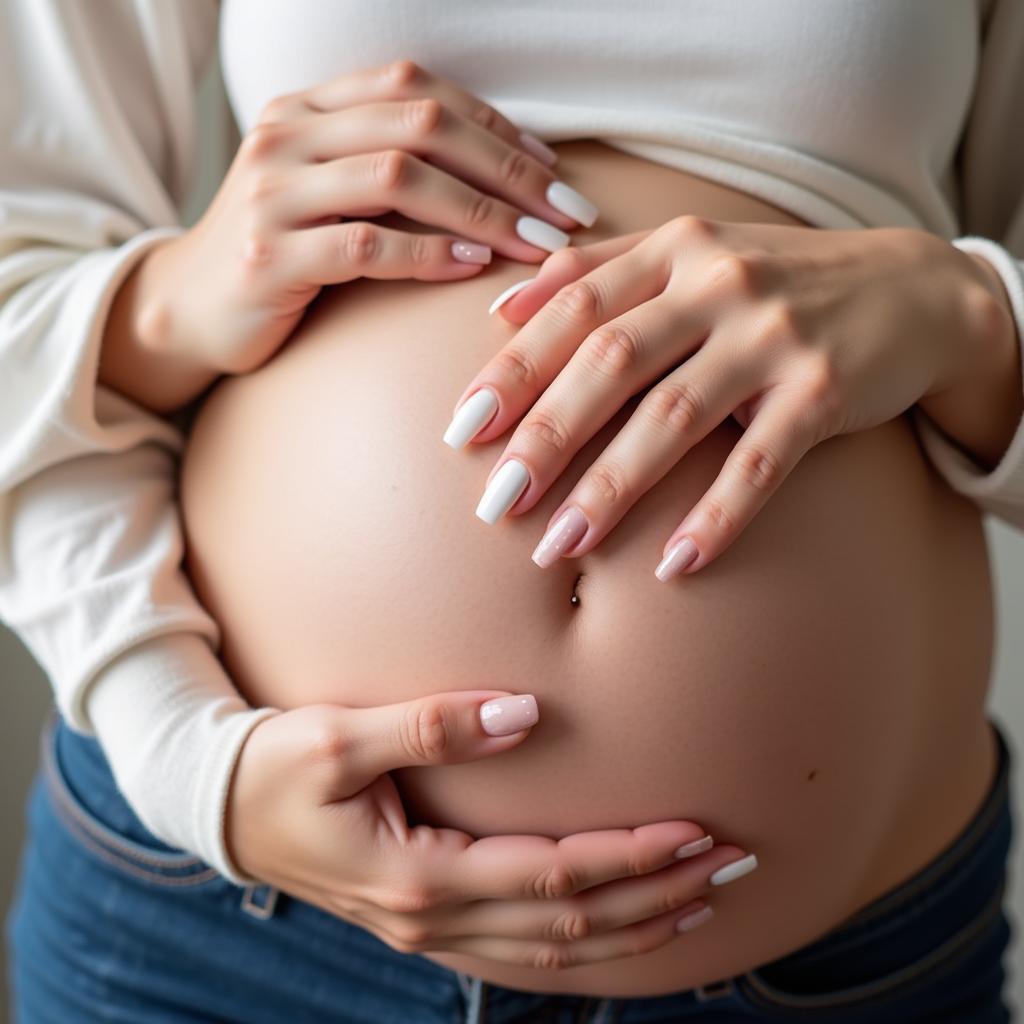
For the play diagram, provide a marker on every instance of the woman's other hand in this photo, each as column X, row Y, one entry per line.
column 288, row 219
column 799, row 333
column 313, row 812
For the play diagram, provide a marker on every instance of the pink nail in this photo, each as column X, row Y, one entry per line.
column 507, row 715
column 678, row 558
column 544, row 153
column 566, row 530
column 692, row 849
column 691, row 921
column 471, row 252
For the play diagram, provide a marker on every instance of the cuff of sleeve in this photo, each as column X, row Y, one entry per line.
column 172, row 725
column 1000, row 490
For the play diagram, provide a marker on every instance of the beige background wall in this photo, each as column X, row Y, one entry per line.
column 24, row 695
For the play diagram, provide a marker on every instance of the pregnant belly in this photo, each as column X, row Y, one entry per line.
column 815, row 695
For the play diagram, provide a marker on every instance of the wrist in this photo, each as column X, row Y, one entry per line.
column 143, row 353
column 980, row 408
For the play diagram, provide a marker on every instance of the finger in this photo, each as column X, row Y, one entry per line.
column 778, row 436
column 405, row 79
column 632, row 940
column 527, row 365
column 428, row 129
column 612, row 364
column 353, row 249
column 673, row 416
column 360, row 744
column 397, row 180
column 535, row 867
column 559, row 269
column 600, row 909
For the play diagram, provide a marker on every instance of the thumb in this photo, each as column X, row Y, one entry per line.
column 442, row 728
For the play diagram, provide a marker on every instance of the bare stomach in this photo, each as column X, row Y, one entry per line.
column 816, row 695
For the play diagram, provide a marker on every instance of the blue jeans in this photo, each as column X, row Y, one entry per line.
column 110, row 924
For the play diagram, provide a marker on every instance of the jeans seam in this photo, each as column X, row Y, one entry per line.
column 944, row 954
column 103, row 843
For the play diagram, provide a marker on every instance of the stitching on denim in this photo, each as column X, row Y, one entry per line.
column 973, row 834
column 943, row 955
column 104, row 843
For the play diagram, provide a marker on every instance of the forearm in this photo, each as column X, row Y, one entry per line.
column 981, row 414
column 138, row 357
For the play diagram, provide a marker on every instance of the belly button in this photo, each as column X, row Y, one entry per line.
column 574, row 599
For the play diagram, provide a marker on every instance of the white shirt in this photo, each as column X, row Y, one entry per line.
column 848, row 113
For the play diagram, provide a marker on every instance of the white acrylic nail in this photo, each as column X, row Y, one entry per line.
column 474, row 412
column 571, row 203
column 512, row 289
column 505, row 487
column 541, row 233
column 737, row 869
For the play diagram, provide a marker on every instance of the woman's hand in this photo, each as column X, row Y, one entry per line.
column 313, row 812
column 798, row 333
column 226, row 294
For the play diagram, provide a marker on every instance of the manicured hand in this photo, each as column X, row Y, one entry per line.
column 313, row 811
column 798, row 333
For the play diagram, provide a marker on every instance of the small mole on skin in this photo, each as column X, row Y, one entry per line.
column 811, row 776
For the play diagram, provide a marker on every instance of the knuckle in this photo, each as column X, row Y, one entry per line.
column 578, row 301
column 613, row 349
column 485, row 116
column 690, row 228
column 553, row 882
column 413, row 935
column 718, row 517
column 426, row 732
column 550, row 958
column 326, row 743
column 420, row 250
column 263, row 140
column 733, row 273
column 257, row 252
column 422, row 116
column 568, row 262
column 570, row 926
column 402, row 72
column 518, row 366
column 481, row 209
column 676, row 407
column 360, row 243
column 278, row 108
column 606, row 483
column 409, row 899
column 542, row 428
column 515, row 165
column 778, row 325
column 391, row 169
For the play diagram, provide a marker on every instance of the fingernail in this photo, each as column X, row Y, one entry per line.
column 512, row 289
column 470, row 417
column 471, row 252
column 564, row 532
column 694, row 920
column 543, row 152
column 692, row 849
column 507, row 484
column 678, row 558
column 507, row 715
column 571, row 203
column 541, row 233
column 737, row 869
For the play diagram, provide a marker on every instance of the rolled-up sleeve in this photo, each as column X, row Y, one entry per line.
column 991, row 176
column 97, row 146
